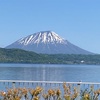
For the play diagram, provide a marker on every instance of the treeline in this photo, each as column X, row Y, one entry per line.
column 22, row 56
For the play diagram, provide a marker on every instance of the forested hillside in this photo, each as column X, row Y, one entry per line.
column 22, row 56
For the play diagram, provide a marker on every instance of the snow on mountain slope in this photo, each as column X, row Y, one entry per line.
column 47, row 42
column 42, row 37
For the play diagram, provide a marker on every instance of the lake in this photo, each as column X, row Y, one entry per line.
column 50, row 72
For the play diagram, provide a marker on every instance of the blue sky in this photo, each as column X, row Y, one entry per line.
column 78, row 21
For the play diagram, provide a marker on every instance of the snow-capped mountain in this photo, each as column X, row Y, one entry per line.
column 45, row 37
column 47, row 42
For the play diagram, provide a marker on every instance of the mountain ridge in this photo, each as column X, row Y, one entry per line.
column 47, row 42
column 22, row 56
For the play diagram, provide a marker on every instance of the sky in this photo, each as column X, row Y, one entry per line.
column 77, row 21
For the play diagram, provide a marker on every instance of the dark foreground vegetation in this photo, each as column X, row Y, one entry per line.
column 21, row 56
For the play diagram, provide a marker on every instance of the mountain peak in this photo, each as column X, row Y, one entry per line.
column 42, row 37
column 47, row 42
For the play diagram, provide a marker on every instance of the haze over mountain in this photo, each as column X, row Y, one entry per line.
column 47, row 42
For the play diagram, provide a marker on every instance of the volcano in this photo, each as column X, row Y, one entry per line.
column 47, row 42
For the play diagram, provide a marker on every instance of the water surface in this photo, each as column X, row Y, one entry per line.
column 50, row 72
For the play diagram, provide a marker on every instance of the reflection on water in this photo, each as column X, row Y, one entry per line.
column 41, row 72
